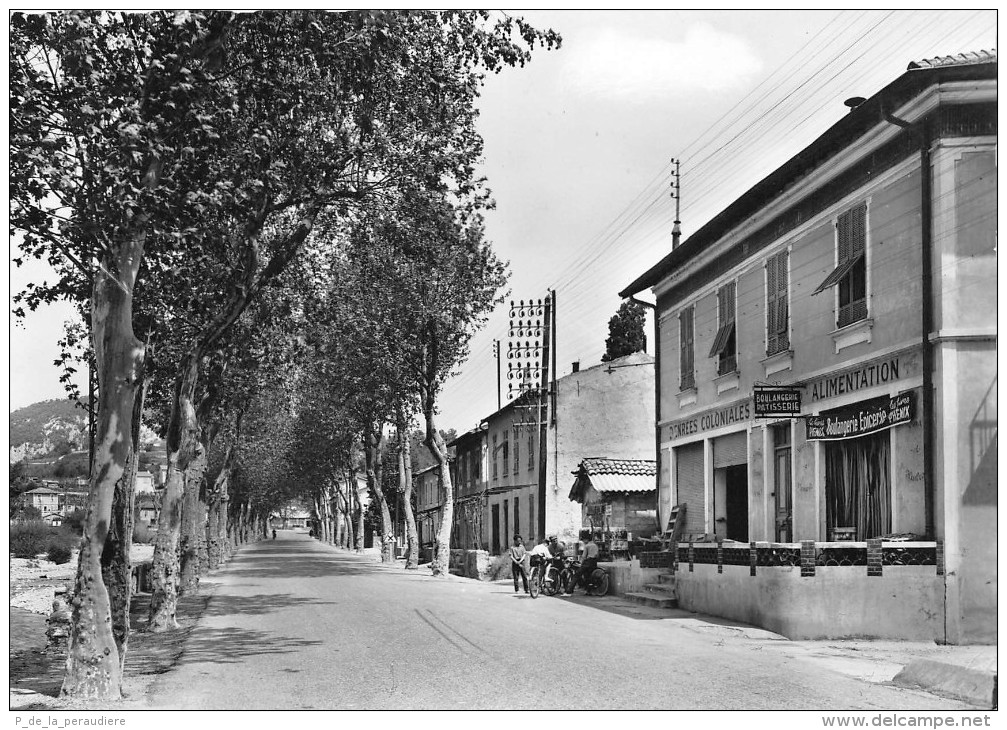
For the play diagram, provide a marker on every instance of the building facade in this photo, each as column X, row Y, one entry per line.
column 602, row 411
column 429, row 501
column 468, row 477
column 827, row 368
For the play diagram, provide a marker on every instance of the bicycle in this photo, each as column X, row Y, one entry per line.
column 597, row 582
column 545, row 578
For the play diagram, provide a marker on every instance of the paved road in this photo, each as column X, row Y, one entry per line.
column 294, row 624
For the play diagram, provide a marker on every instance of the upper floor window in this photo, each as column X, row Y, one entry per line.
column 505, row 455
column 531, row 448
column 724, row 344
column 493, row 456
column 850, row 274
column 687, row 348
column 517, row 451
column 475, row 465
column 777, row 306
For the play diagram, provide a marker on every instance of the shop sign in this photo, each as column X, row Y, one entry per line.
column 866, row 376
column 727, row 416
column 853, row 422
column 776, row 402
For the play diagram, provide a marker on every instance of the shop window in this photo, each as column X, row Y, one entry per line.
column 782, row 482
column 687, row 348
column 724, row 344
column 850, row 274
column 858, row 491
column 777, row 305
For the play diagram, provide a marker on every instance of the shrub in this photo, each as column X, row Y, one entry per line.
column 142, row 533
column 28, row 539
column 75, row 521
column 59, row 552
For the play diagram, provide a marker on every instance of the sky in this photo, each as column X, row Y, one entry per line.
column 578, row 146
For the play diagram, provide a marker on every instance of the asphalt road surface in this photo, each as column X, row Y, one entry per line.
column 295, row 624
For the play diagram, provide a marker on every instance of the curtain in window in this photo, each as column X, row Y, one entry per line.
column 858, row 490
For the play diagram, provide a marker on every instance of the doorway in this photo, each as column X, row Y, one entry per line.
column 495, row 523
column 736, row 502
column 782, row 483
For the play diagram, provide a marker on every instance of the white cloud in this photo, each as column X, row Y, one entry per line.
column 612, row 62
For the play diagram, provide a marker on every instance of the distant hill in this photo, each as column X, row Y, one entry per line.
column 52, row 428
column 40, row 428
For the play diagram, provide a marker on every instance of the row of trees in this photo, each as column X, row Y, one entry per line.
column 272, row 224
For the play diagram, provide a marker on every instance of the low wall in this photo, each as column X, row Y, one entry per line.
column 905, row 602
column 626, row 576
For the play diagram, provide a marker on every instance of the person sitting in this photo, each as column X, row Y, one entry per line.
column 588, row 562
column 558, row 551
column 517, row 553
column 539, row 555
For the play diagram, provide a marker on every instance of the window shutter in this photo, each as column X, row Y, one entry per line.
column 732, row 298
column 843, row 230
column 858, row 229
column 781, row 293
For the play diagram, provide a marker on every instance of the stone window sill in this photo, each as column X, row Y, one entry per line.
column 687, row 397
column 728, row 381
column 779, row 362
column 853, row 334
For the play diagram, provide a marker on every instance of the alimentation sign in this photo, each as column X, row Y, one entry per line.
column 776, row 402
column 866, row 419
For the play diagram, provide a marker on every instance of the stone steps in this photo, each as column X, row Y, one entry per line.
column 654, row 600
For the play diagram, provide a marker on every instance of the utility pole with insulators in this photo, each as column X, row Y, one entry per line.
column 676, row 193
column 496, row 354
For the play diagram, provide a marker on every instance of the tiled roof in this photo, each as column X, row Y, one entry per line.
column 623, row 467
column 958, row 59
column 42, row 490
column 614, row 475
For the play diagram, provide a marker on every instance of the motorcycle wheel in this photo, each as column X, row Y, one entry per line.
column 599, row 582
column 551, row 587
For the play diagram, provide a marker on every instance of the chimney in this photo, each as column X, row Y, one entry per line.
column 576, row 366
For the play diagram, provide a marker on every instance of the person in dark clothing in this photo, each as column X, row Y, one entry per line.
column 517, row 553
column 588, row 562
column 274, row 534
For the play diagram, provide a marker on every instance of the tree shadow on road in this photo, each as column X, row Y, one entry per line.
column 229, row 645
column 310, row 566
column 259, row 603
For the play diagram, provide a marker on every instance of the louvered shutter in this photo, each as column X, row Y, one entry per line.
column 858, row 229
column 782, row 308
column 687, row 348
column 772, row 345
column 843, row 225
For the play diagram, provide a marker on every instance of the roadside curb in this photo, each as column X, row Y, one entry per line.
column 951, row 680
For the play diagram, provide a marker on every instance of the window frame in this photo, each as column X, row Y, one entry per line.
column 777, row 293
column 851, row 248
column 496, row 471
column 687, row 348
column 725, row 344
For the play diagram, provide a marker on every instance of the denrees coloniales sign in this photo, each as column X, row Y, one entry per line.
column 853, row 422
column 737, row 412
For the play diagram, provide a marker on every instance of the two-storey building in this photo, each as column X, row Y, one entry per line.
column 468, row 477
column 602, row 411
column 429, row 503
column 827, row 375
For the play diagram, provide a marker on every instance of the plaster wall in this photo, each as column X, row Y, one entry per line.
column 603, row 411
column 626, row 576
column 837, row 602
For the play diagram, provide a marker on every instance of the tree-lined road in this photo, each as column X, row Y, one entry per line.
column 295, row 624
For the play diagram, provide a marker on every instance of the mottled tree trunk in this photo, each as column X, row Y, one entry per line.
column 181, row 447
column 193, row 515
column 358, row 542
column 93, row 667
column 406, row 485
column 372, row 456
column 116, row 566
column 435, row 444
column 217, row 528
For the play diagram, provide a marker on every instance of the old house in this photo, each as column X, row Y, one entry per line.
column 827, row 375
column 618, row 498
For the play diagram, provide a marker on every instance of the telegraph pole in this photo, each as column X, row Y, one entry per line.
column 496, row 354
column 676, row 193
